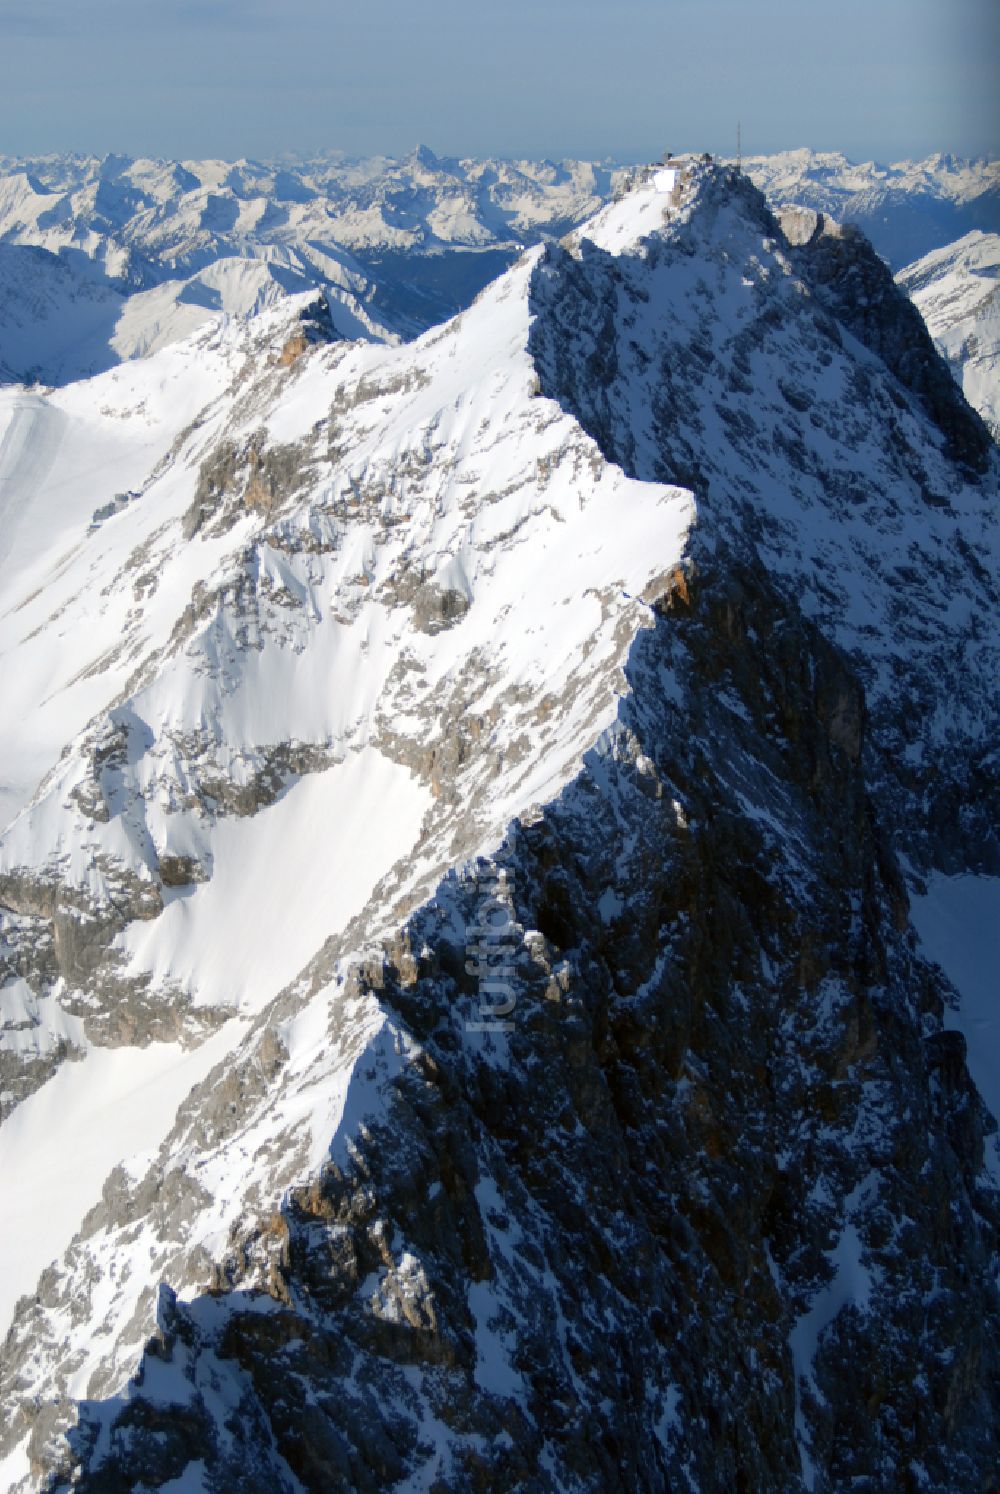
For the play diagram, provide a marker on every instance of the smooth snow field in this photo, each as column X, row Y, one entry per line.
column 32, row 431
column 59, row 1145
column 283, row 881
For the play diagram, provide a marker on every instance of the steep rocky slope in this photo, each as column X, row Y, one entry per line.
column 508, row 760
column 957, row 292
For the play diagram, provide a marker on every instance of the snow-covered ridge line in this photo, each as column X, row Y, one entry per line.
column 359, row 608
column 62, row 318
column 366, row 605
column 420, row 201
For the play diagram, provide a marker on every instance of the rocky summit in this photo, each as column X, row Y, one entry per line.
column 483, row 992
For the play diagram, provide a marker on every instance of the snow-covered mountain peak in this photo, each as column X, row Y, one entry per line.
column 690, row 194
column 643, row 603
column 976, row 252
column 340, row 538
column 750, row 368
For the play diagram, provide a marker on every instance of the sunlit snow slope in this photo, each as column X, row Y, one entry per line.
column 313, row 625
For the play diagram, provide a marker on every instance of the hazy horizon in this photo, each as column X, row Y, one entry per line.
column 334, row 153
column 241, row 78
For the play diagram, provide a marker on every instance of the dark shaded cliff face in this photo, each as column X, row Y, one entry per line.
column 794, row 388
column 594, row 1251
column 851, row 282
column 677, row 1182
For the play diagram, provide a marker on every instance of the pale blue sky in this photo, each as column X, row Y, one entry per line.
column 883, row 78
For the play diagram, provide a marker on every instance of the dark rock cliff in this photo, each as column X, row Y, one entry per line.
column 596, row 1239
column 858, row 288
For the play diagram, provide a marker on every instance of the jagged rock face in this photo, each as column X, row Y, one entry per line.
column 615, row 1142
column 820, row 478
column 575, row 1253
column 849, row 280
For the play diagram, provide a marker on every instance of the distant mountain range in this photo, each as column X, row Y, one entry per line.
column 906, row 209
column 373, row 231
column 399, row 244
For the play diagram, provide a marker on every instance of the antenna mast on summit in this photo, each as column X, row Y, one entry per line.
column 739, row 147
